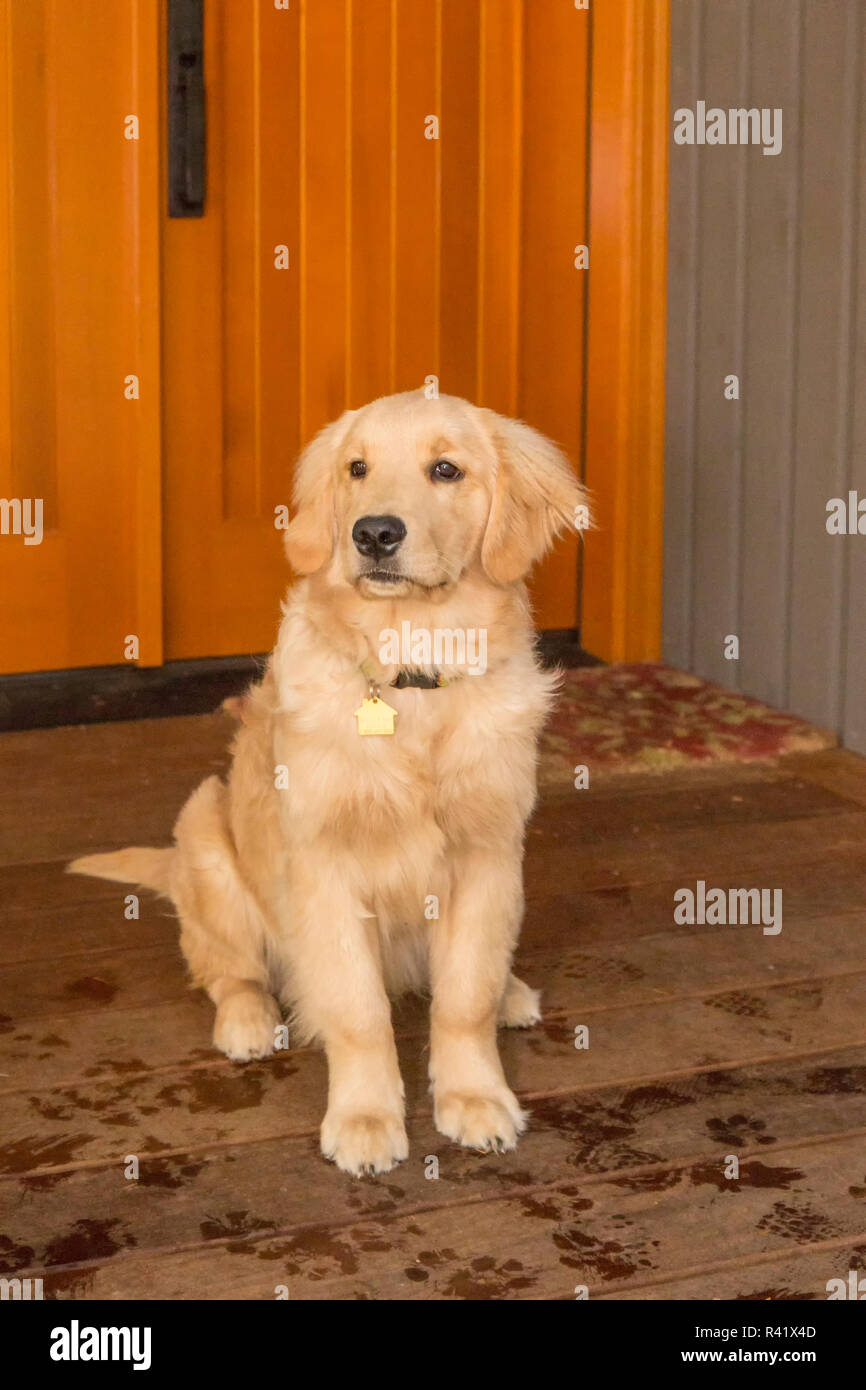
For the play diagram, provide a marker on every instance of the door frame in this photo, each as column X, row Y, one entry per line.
column 148, row 76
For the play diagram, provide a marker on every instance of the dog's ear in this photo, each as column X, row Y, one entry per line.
column 536, row 495
column 309, row 537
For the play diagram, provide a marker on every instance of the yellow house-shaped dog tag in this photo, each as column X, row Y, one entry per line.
column 375, row 717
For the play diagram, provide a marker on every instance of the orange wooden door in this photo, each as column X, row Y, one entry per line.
column 79, row 439
column 395, row 192
column 396, row 189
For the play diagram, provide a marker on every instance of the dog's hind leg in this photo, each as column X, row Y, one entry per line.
column 521, row 1005
column 247, row 1018
column 223, row 931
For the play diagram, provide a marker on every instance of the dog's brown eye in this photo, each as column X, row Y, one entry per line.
column 357, row 468
column 448, row 472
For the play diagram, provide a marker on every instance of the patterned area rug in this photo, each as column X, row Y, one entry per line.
column 646, row 717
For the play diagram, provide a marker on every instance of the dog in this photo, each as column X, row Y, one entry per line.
column 369, row 839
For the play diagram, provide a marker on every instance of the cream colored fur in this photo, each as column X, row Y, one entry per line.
column 312, row 897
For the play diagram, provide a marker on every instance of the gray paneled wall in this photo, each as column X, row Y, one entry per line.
column 767, row 282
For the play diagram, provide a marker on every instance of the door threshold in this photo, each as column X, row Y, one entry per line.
column 106, row 694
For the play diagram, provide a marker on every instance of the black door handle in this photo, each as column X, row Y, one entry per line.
column 187, row 128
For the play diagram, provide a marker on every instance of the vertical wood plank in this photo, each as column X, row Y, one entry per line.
column 718, row 458
column 682, row 326
column 500, row 181
column 416, row 210
column 371, row 155
column 643, row 556
column 554, row 193
column 324, row 41
column 460, row 197
column 240, row 270
column 771, row 321
column 278, row 344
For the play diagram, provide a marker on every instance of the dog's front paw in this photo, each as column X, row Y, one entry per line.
column 489, row 1123
column 364, row 1144
column 244, row 1025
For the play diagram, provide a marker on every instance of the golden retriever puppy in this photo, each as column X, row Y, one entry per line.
column 369, row 839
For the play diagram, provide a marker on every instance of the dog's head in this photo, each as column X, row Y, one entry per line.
column 408, row 494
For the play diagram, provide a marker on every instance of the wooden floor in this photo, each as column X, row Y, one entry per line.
column 704, row 1042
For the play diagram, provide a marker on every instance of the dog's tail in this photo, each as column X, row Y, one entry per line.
column 148, row 868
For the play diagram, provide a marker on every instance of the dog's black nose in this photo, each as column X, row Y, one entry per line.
column 378, row 535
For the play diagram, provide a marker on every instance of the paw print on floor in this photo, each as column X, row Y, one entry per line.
column 739, row 1130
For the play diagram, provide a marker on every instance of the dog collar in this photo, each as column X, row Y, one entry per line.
column 419, row 680
column 408, row 677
